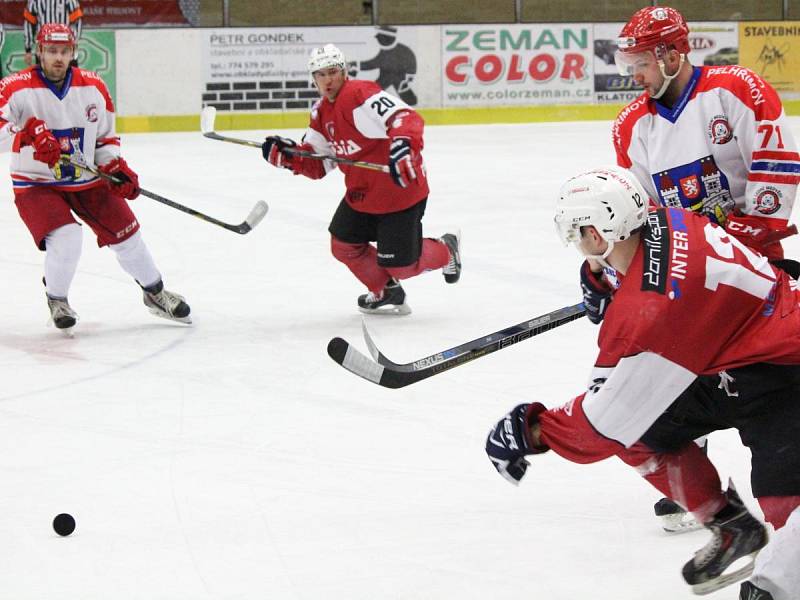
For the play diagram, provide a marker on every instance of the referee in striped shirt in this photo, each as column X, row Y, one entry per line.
column 40, row 12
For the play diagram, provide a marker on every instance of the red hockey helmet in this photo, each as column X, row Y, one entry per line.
column 656, row 28
column 55, row 33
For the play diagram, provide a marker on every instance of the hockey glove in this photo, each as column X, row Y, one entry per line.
column 508, row 442
column 128, row 186
column 274, row 151
column 45, row 145
column 757, row 233
column 788, row 266
column 597, row 294
column 401, row 162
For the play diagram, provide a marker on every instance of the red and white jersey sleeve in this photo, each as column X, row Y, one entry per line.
column 725, row 146
column 359, row 125
column 694, row 301
column 80, row 115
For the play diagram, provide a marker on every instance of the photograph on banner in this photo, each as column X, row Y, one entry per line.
column 267, row 69
column 496, row 65
column 96, row 52
column 712, row 43
column 772, row 49
column 119, row 13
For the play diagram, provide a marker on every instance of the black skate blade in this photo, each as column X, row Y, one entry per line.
column 726, row 579
column 187, row 320
column 388, row 310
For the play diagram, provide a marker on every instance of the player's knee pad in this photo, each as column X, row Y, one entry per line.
column 64, row 243
column 344, row 252
column 778, row 509
column 129, row 248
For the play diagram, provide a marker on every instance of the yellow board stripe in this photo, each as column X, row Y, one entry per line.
column 433, row 116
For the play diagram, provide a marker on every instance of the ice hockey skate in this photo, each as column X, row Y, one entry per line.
column 452, row 270
column 748, row 591
column 673, row 518
column 390, row 301
column 62, row 315
column 166, row 304
column 735, row 534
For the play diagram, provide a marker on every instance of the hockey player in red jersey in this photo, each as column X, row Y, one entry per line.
column 713, row 140
column 54, row 110
column 357, row 120
column 703, row 334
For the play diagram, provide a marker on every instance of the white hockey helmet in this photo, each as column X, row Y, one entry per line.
column 324, row 57
column 609, row 198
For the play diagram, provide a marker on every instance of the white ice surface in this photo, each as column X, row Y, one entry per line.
column 234, row 460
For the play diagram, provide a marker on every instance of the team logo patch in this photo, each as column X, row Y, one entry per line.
column 91, row 113
column 659, row 14
column 329, row 128
column 719, row 130
column 768, row 200
column 690, row 186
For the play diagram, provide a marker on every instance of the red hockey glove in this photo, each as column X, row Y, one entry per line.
column 128, row 181
column 401, row 163
column 755, row 231
column 508, row 443
column 274, row 151
column 45, row 145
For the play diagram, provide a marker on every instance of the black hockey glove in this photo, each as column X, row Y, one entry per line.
column 273, row 150
column 789, row 266
column 596, row 294
column 507, row 443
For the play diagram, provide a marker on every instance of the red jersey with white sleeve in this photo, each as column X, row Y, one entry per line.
column 80, row 115
column 694, row 301
column 725, row 150
column 360, row 124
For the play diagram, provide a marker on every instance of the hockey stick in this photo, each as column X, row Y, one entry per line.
column 389, row 374
column 209, row 114
column 258, row 212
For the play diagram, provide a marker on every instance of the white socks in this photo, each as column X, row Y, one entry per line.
column 135, row 259
column 63, row 246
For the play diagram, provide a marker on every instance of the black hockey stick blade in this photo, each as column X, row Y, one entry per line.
column 209, row 114
column 257, row 213
column 390, row 374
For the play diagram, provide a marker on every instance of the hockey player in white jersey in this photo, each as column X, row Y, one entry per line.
column 713, row 139
column 52, row 111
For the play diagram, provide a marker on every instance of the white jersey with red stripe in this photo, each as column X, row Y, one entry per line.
column 725, row 146
column 80, row 115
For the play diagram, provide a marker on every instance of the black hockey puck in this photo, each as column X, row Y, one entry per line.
column 64, row 524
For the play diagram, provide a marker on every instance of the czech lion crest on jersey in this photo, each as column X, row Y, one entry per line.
column 768, row 200
column 690, row 186
column 719, row 130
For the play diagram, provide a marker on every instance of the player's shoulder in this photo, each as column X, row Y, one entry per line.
column 356, row 91
column 745, row 84
column 634, row 110
column 628, row 117
column 25, row 78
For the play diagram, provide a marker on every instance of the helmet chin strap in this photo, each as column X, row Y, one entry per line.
column 600, row 258
column 667, row 78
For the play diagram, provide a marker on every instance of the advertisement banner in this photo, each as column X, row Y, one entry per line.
column 712, row 43
column 105, row 13
column 96, row 52
column 267, row 69
column 772, row 49
column 501, row 65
